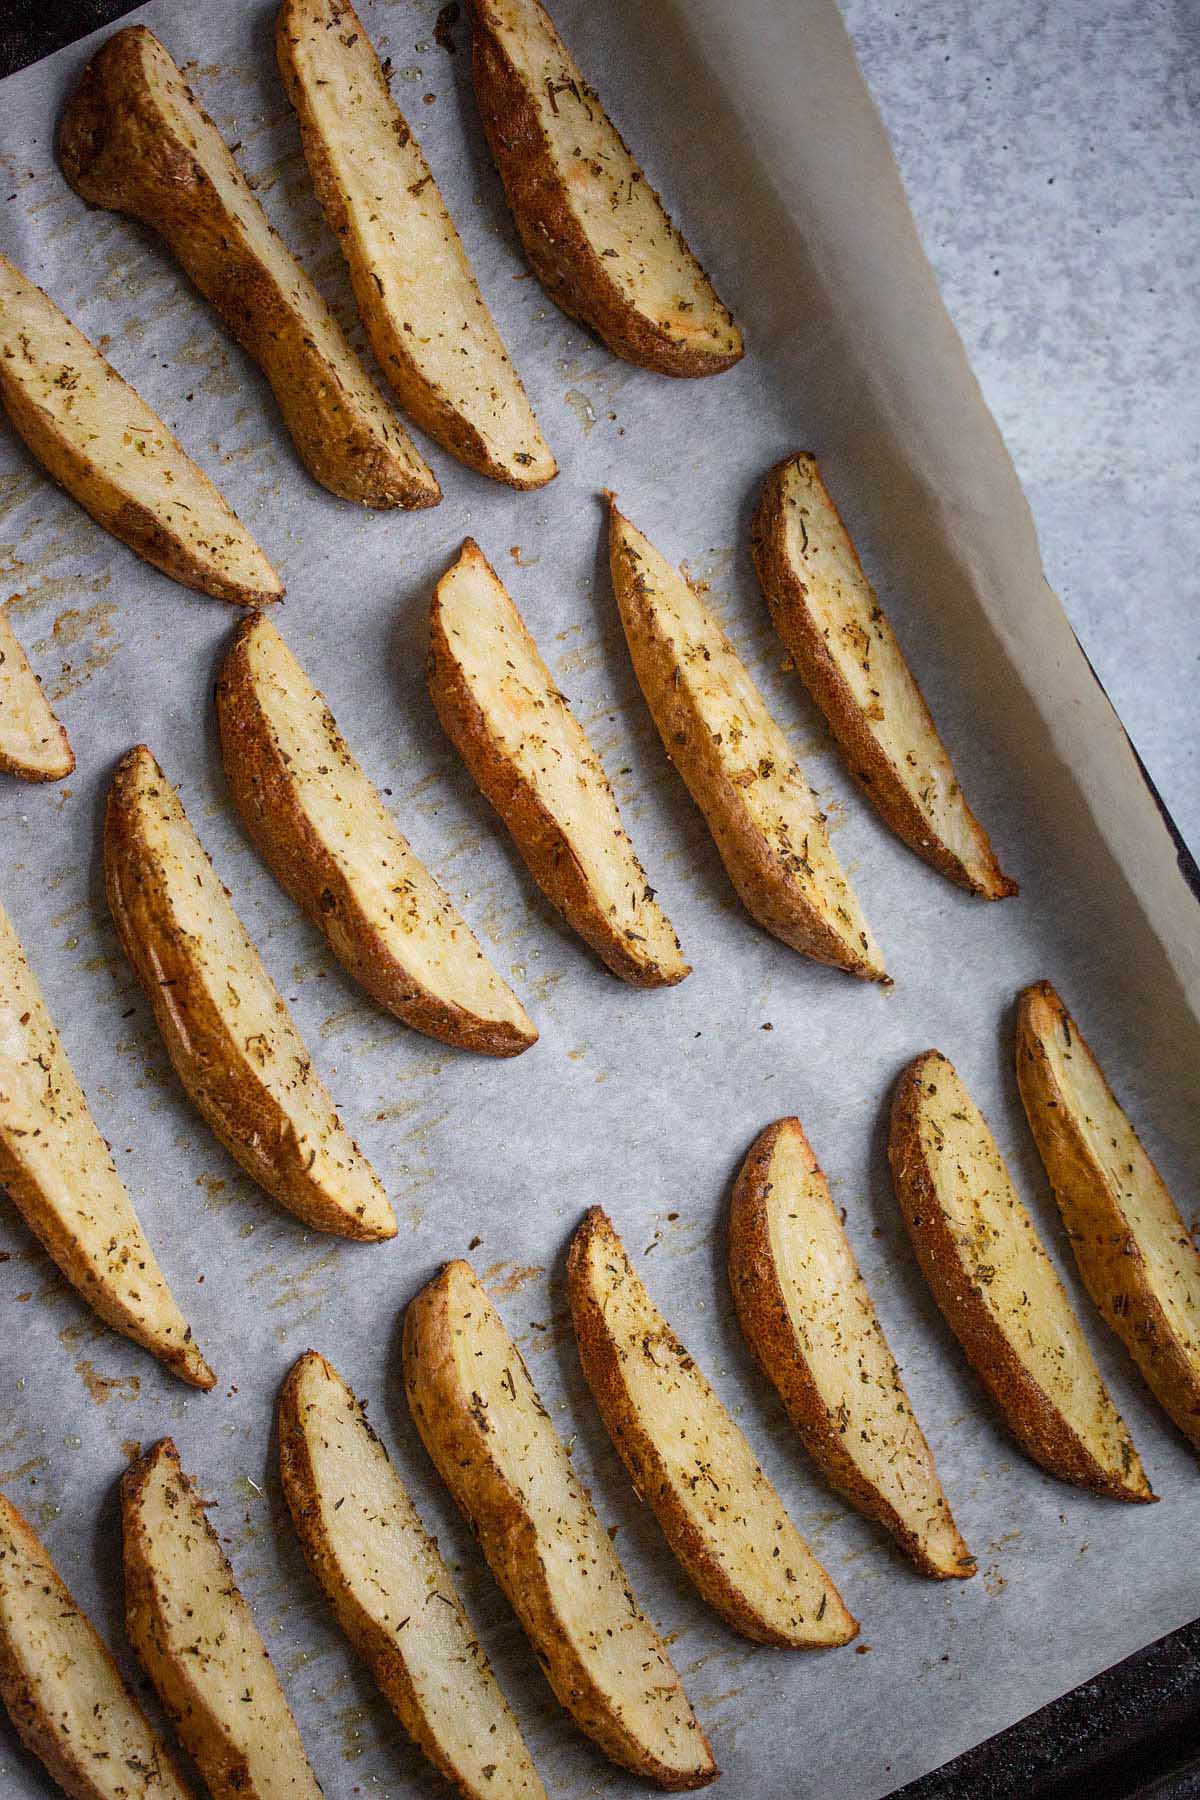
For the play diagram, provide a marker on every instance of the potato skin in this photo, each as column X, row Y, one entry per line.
column 1028, row 1411
column 786, row 598
column 1112, row 1265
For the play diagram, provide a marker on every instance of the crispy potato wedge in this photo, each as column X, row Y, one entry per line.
column 493, row 1444
column 33, row 744
column 689, row 1461
column 736, row 761
column 1137, row 1257
column 380, row 1569
column 529, row 754
column 134, row 139
column 332, row 843
column 997, row 1287
column 418, row 299
column 593, row 228
column 849, row 658
column 197, row 1641
column 808, row 1317
column 59, row 1174
column 114, row 455
column 223, row 1020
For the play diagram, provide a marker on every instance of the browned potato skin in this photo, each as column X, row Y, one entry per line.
column 116, row 152
column 785, row 595
column 1027, row 1410
column 563, row 260
column 1110, row 1262
column 265, row 797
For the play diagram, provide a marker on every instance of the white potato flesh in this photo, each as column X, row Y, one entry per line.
column 32, row 742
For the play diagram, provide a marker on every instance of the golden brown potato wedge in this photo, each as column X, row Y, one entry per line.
column 63, row 1691
column 593, row 228
column 380, row 1569
column 997, row 1287
column 115, row 456
column 849, row 658
column 808, row 1317
column 736, row 761
column 134, row 139
column 59, row 1174
column 197, row 1641
column 689, row 1461
column 33, row 744
column 493, row 1444
column 332, row 843
column 530, row 756
column 223, row 1020
column 1136, row 1255
column 418, row 299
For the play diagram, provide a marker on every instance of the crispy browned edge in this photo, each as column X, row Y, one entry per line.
column 429, row 409
column 116, row 152
column 565, row 263
column 459, row 1451
column 12, row 765
column 264, row 792
column 765, row 889
column 600, row 1357
column 547, row 850
column 787, row 601
column 1109, row 1258
column 1029, row 1413
column 24, row 1706
column 217, row 1074
column 762, row 1312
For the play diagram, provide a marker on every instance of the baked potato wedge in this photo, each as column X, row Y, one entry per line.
column 1001, row 1296
column 134, row 139
column 323, row 828
column 736, row 761
column 64, row 1693
column 689, row 1461
column 196, row 1638
column 493, row 1443
column 593, row 228
column 417, row 296
column 531, row 758
column 1137, row 1257
column 59, row 1174
column 223, row 1020
column 850, row 660
column 33, row 744
column 114, row 455
column 379, row 1570
column 809, row 1320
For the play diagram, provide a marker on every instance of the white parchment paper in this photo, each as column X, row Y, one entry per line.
column 755, row 125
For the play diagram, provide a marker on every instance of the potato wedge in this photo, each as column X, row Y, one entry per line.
column 689, row 1461
column 736, row 761
column 134, row 139
column 849, row 658
column 379, row 1570
column 529, row 754
column 417, row 297
column 593, row 228
column 493, row 1444
column 197, row 1641
column 223, row 1020
column 997, row 1287
column 1137, row 1257
column 114, row 455
column 33, row 744
column 64, row 1693
column 808, row 1317
column 59, row 1174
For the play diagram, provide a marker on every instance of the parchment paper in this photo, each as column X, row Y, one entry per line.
column 754, row 123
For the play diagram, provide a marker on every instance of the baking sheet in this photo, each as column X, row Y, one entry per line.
column 643, row 1103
